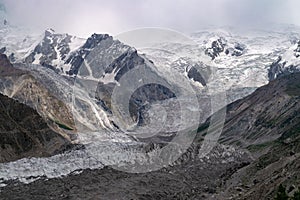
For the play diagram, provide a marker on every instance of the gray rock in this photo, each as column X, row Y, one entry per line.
column 52, row 47
column 77, row 58
column 280, row 68
column 2, row 50
column 216, row 48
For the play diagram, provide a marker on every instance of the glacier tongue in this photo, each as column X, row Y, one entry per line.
column 108, row 151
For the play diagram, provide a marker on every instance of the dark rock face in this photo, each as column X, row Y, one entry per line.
column 23, row 133
column 2, row 50
column 297, row 50
column 142, row 97
column 281, row 68
column 216, row 48
column 124, row 63
column 194, row 74
column 193, row 179
column 94, row 40
column 275, row 69
column 11, row 57
column 7, row 69
column 107, row 61
column 4, row 63
column 77, row 58
column 54, row 51
column 238, row 50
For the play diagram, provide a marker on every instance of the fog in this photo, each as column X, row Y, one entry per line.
column 115, row 16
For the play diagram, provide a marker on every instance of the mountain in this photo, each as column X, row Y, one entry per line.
column 54, row 51
column 23, row 133
column 96, row 69
column 245, row 164
column 82, row 68
column 107, row 95
column 243, row 61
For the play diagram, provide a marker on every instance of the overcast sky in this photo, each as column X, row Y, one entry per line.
column 83, row 17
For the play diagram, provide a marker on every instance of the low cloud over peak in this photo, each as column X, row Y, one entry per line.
column 85, row 17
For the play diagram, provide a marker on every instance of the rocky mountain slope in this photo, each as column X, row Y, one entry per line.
column 23, row 86
column 272, row 111
column 267, row 123
column 246, row 165
column 23, row 133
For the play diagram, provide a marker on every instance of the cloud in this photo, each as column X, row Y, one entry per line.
column 115, row 16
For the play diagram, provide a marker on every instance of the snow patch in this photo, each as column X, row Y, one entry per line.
column 37, row 59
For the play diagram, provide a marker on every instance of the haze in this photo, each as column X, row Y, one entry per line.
column 111, row 16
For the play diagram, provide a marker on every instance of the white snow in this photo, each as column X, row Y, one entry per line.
column 248, row 70
column 105, row 146
column 50, row 30
column 289, row 56
column 37, row 59
column 76, row 43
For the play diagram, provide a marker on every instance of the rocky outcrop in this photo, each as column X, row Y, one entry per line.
column 217, row 47
column 2, row 50
column 286, row 64
column 281, row 68
column 196, row 75
column 104, row 61
column 221, row 46
column 237, row 50
column 23, row 133
column 63, row 53
column 297, row 50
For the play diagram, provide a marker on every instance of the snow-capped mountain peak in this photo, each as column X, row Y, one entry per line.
column 53, row 50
